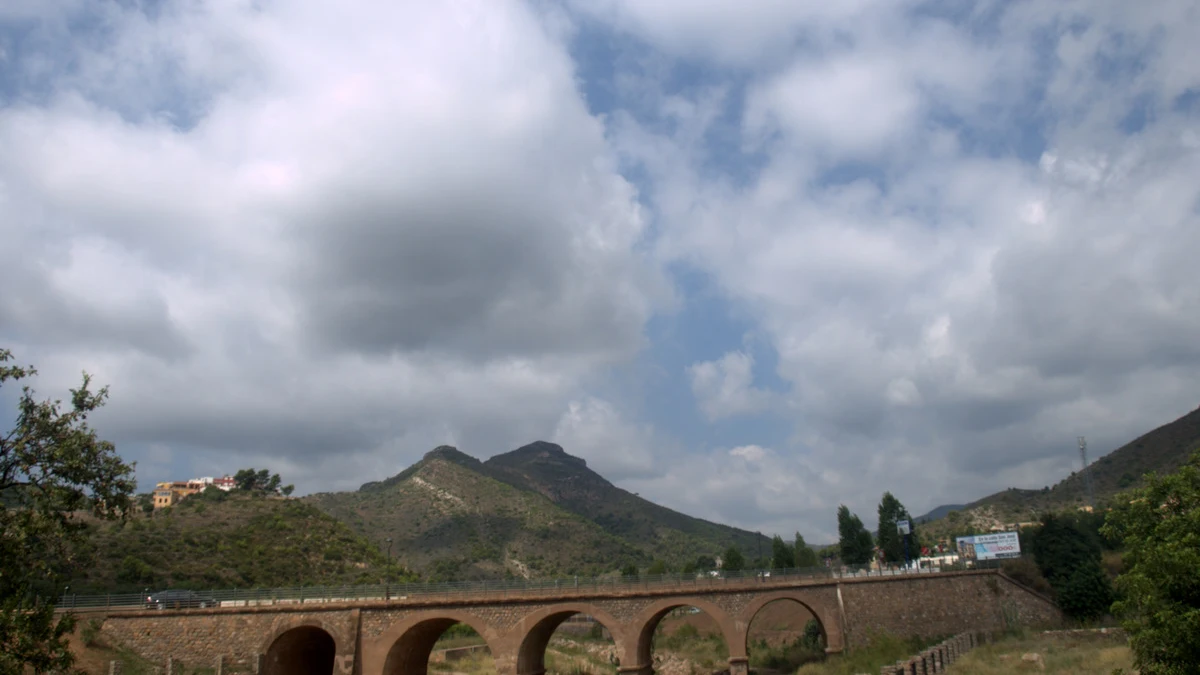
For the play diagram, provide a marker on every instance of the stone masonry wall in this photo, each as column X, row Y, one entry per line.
column 941, row 605
column 197, row 639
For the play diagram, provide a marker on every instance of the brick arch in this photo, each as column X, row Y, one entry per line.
column 404, row 648
column 533, row 633
column 302, row 647
column 286, row 625
column 827, row 617
column 641, row 632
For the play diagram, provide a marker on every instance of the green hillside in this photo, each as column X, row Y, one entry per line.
column 449, row 518
column 240, row 541
column 1162, row 450
column 547, row 469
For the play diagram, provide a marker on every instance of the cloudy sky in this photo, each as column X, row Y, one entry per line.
column 750, row 260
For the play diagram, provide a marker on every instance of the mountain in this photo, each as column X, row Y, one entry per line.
column 547, row 469
column 940, row 512
column 228, row 541
column 1162, row 450
column 450, row 518
column 535, row 511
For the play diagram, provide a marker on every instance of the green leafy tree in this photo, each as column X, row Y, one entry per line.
column 782, row 556
column 51, row 465
column 733, row 560
column 1159, row 524
column 259, row 481
column 890, row 541
column 657, row 568
column 145, row 502
column 854, row 540
column 805, row 556
column 629, row 571
column 1068, row 555
column 705, row 563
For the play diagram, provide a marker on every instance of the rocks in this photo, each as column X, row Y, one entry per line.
column 1034, row 659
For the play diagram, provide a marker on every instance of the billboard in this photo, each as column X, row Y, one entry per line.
column 989, row 546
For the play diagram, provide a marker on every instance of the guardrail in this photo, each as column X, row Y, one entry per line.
column 249, row 597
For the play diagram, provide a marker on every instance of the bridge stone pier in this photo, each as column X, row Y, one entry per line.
column 397, row 636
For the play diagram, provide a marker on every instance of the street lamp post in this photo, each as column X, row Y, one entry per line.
column 387, row 587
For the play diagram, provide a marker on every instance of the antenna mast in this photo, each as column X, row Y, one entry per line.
column 1087, row 475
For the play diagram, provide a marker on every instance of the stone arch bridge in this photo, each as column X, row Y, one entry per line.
column 396, row 636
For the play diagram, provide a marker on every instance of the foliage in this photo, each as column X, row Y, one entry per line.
column 1068, row 555
column 1160, row 526
column 52, row 464
column 145, row 502
column 782, row 555
column 629, row 571
column 1087, row 593
column 854, row 540
column 657, row 568
column 805, row 556
column 1025, row 571
column 884, row 649
column 262, row 481
column 90, row 633
column 733, row 560
column 890, row 541
column 239, row 542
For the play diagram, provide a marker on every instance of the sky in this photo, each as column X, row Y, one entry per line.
column 749, row 260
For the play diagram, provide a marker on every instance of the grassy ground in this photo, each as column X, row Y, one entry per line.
column 882, row 651
column 1070, row 654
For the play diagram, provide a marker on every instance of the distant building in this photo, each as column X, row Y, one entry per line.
column 171, row 492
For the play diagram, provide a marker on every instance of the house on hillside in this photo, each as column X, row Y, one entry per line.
column 170, row 493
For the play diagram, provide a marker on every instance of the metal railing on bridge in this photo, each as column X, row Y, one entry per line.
column 249, row 597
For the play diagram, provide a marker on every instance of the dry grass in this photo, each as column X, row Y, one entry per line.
column 1073, row 654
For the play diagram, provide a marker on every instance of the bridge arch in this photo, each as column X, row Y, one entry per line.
column 827, row 617
column 409, row 642
column 300, row 648
column 536, row 629
column 643, row 627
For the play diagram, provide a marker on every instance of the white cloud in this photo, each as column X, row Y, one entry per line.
column 948, row 314
column 294, row 233
column 615, row 448
column 724, row 388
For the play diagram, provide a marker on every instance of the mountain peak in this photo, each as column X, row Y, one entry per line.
column 445, row 453
column 540, row 452
column 450, row 453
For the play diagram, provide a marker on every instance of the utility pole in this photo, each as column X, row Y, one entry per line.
column 1087, row 474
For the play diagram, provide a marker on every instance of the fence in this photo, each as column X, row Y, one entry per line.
column 242, row 597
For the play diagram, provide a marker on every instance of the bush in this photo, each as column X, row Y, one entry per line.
column 1086, row 594
column 90, row 633
column 1025, row 572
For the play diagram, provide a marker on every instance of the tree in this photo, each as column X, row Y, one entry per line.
column 1068, row 555
column 262, row 481
column 783, row 557
column 52, row 464
column 1159, row 524
column 890, row 541
column 733, row 561
column 805, row 556
column 854, row 540
column 706, row 563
